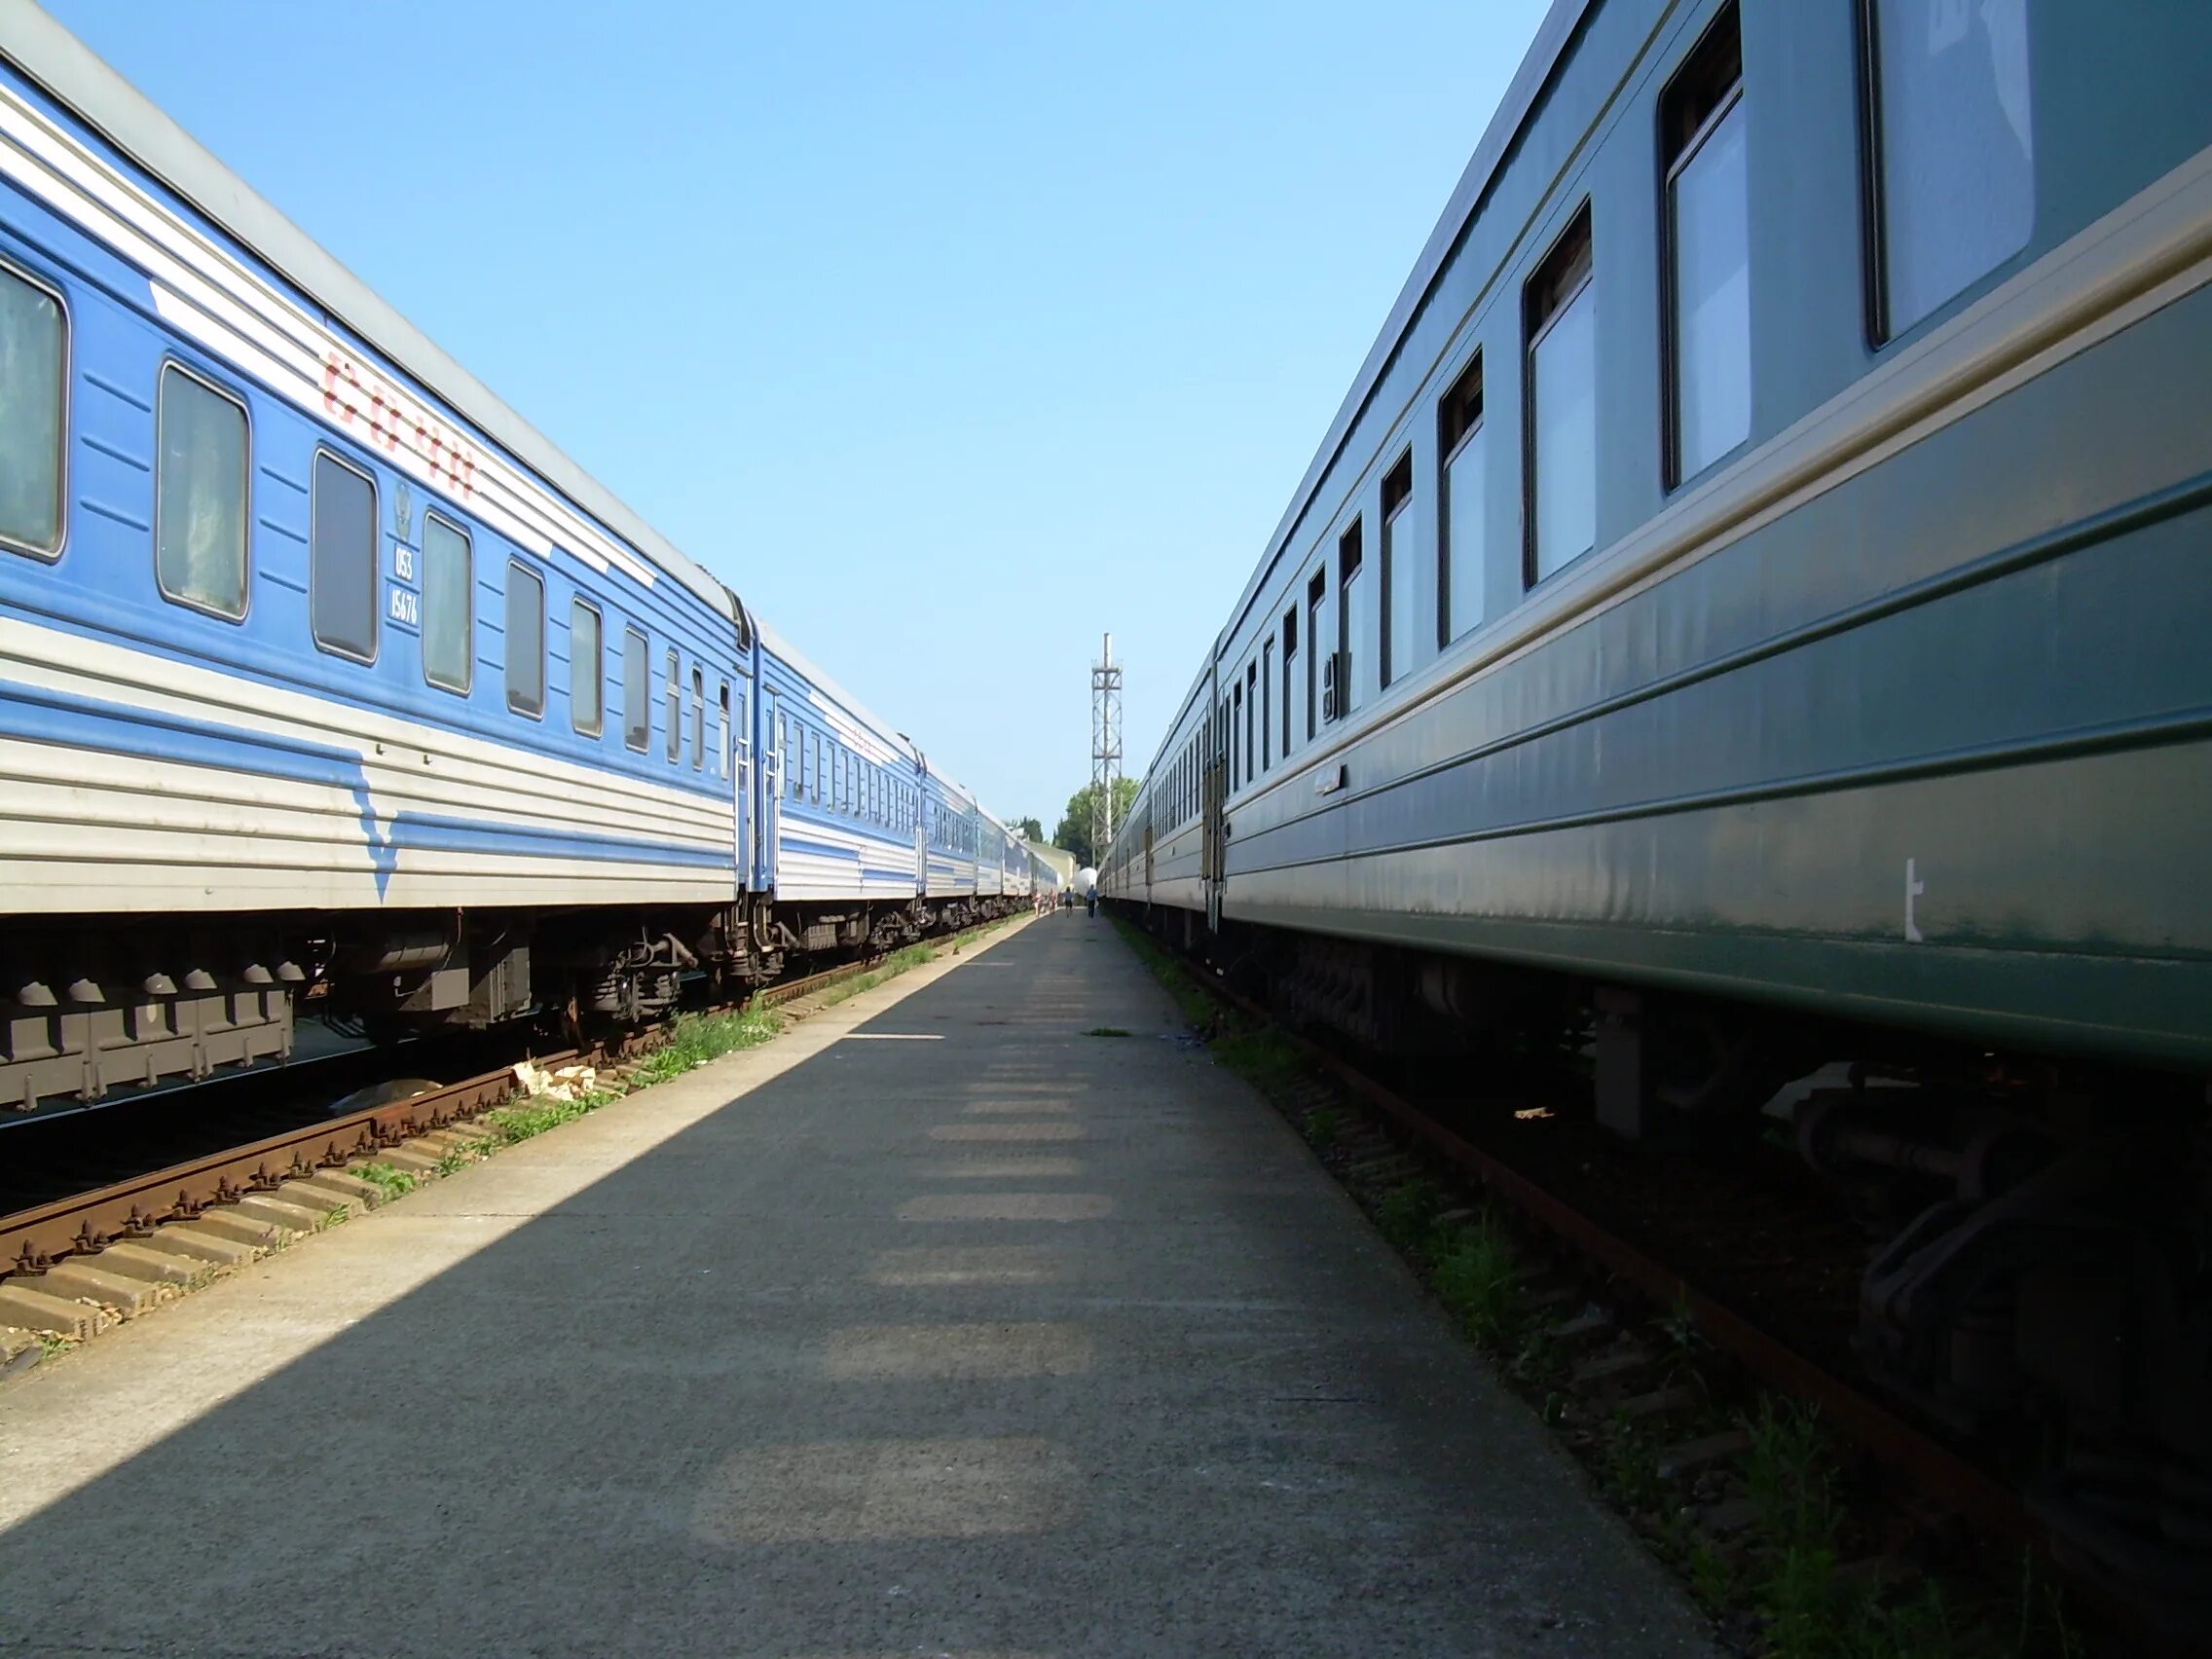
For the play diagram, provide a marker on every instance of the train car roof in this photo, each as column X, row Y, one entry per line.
column 773, row 641
column 76, row 77
column 1552, row 37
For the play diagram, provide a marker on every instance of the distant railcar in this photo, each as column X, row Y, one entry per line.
column 329, row 685
column 1751, row 607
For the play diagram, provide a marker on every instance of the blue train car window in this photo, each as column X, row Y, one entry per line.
column 1459, row 517
column 1954, row 144
column 675, row 692
column 698, row 719
column 201, row 495
column 722, row 765
column 1562, row 319
column 1402, row 646
column 1709, row 259
column 587, row 668
column 449, row 604
column 637, row 707
column 34, row 389
column 342, row 558
column 525, row 641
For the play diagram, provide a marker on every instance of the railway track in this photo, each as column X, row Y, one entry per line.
column 1600, row 1286
column 81, row 1224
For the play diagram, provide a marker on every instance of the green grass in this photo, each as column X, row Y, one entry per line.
column 53, row 1344
column 397, row 1182
column 1196, row 1007
column 1323, row 1128
column 698, row 1038
column 1404, row 1215
column 1812, row 1612
column 528, row 1119
column 890, row 968
column 1106, row 1031
column 1475, row 1272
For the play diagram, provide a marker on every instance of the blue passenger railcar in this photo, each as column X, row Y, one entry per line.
column 323, row 676
column 1751, row 600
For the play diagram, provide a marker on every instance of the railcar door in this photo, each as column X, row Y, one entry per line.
column 737, row 749
column 771, row 816
column 921, row 827
column 1213, row 852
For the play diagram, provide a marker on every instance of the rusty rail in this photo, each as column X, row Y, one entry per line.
column 35, row 1239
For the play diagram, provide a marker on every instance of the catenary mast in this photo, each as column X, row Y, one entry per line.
column 1105, row 747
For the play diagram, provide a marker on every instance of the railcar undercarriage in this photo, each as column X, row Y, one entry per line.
column 88, row 1007
column 2038, row 1275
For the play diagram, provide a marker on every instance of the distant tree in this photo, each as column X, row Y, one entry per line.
column 1030, row 828
column 1074, row 832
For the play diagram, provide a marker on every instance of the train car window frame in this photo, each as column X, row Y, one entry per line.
column 1462, row 502
column 593, row 673
column 1267, row 704
column 672, row 743
column 1252, row 722
column 527, row 699
column 188, row 376
column 1886, row 319
column 1401, row 592
column 1290, row 667
column 1558, row 290
column 722, row 767
column 1702, row 126
column 698, row 719
column 459, row 537
column 374, row 548
column 1317, row 608
column 63, row 342
column 1235, row 736
column 637, row 691
column 1351, row 618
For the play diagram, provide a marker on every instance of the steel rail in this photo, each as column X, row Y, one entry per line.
column 83, row 1223
column 36, row 1239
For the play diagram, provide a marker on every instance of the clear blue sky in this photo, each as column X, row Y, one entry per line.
column 951, row 336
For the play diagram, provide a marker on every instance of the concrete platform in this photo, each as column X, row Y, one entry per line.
column 934, row 1327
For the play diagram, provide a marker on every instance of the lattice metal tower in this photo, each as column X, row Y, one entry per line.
column 1105, row 747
